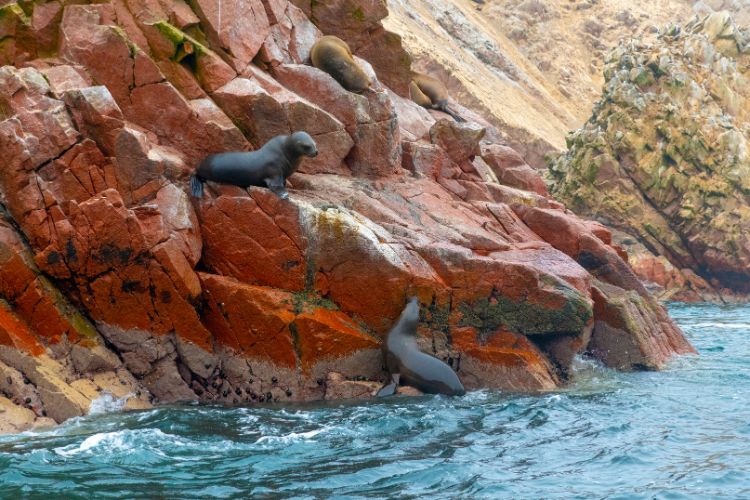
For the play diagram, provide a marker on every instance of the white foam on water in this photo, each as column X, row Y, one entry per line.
column 729, row 326
column 292, row 437
column 108, row 403
column 114, row 442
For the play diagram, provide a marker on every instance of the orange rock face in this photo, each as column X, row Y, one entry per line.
column 240, row 296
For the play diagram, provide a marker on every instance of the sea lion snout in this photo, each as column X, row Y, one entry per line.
column 313, row 153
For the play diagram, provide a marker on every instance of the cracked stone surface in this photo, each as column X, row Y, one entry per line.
column 114, row 281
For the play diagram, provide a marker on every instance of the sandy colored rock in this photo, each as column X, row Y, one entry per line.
column 674, row 181
column 338, row 387
column 14, row 418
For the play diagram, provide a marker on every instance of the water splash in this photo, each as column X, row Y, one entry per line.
column 108, row 403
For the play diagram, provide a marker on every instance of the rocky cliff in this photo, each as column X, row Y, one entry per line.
column 114, row 281
column 664, row 156
column 533, row 68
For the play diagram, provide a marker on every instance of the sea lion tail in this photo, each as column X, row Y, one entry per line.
column 196, row 186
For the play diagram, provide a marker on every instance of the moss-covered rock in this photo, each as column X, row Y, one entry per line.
column 664, row 156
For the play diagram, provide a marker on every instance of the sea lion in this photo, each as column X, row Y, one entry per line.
column 410, row 366
column 332, row 55
column 430, row 93
column 269, row 166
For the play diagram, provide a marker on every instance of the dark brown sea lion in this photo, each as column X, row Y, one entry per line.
column 269, row 166
column 332, row 55
column 430, row 93
column 410, row 366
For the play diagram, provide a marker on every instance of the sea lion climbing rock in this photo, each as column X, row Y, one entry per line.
column 410, row 366
column 430, row 93
column 332, row 55
column 269, row 166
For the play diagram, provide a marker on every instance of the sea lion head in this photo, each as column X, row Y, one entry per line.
column 301, row 144
column 355, row 79
column 410, row 315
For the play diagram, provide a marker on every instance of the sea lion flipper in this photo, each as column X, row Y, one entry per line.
column 196, row 186
column 276, row 184
column 389, row 389
column 445, row 109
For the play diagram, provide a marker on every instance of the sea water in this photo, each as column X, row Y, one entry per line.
column 680, row 433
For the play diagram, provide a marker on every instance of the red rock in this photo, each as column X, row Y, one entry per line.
column 366, row 275
column 26, row 37
column 414, row 121
column 237, row 27
column 291, row 38
column 127, row 21
column 426, row 159
column 631, row 329
column 181, row 221
column 503, row 361
column 64, row 78
column 627, row 336
column 460, row 141
column 96, row 115
column 181, row 15
column 570, row 235
column 250, row 319
column 177, row 122
column 377, row 145
column 275, row 10
column 512, row 170
column 39, row 128
column 145, row 71
column 86, row 35
column 322, row 90
column 501, row 157
column 264, row 109
column 15, row 333
column 95, row 178
column 256, row 239
column 324, row 335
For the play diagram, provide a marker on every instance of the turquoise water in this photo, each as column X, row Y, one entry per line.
column 680, row 433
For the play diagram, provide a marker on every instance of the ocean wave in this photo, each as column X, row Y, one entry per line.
column 717, row 324
column 292, row 437
column 118, row 441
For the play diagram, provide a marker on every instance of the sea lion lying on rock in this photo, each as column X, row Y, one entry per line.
column 430, row 93
column 410, row 366
column 269, row 166
column 332, row 55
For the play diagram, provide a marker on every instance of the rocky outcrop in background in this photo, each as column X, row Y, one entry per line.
column 533, row 68
column 116, row 282
column 665, row 156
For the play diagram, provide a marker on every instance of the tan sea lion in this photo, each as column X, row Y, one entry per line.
column 430, row 93
column 332, row 55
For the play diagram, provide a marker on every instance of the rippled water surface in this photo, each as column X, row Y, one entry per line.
column 680, row 433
